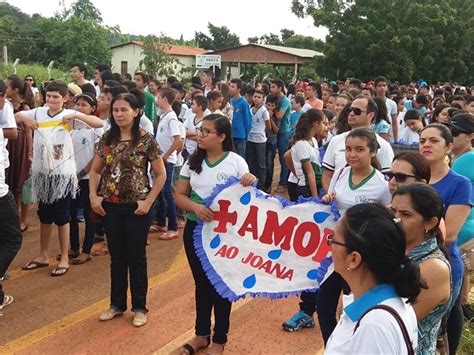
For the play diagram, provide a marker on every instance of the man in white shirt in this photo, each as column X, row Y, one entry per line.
column 363, row 112
column 381, row 87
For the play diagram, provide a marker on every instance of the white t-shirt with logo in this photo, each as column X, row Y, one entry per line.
column 190, row 126
column 373, row 188
column 168, row 128
column 257, row 132
column 408, row 136
column 7, row 120
column 3, row 185
column 179, row 158
column 231, row 164
column 84, row 140
column 303, row 151
column 335, row 156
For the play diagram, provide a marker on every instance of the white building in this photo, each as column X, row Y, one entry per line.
column 126, row 56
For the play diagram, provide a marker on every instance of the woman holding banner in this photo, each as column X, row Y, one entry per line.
column 210, row 165
column 368, row 249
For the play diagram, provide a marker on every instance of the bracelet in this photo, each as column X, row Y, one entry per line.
column 82, row 173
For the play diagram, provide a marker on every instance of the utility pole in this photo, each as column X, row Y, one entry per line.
column 5, row 55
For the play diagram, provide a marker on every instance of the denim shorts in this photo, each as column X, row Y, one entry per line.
column 56, row 212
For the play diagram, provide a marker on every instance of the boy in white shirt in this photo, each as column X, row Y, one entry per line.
column 169, row 139
column 56, row 212
column 255, row 151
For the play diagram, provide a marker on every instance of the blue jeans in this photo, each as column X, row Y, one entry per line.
column 270, row 158
column 165, row 200
column 256, row 159
column 239, row 144
column 283, row 140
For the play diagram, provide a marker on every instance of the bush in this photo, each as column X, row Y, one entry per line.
column 39, row 72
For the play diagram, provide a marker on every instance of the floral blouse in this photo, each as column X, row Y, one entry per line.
column 124, row 178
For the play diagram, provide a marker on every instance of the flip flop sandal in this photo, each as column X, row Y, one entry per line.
column 34, row 265
column 59, row 271
column 81, row 261
column 71, row 255
column 24, row 229
column 189, row 348
column 170, row 235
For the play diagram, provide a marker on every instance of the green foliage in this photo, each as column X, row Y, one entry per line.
column 403, row 40
column 467, row 339
column 74, row 35
column 155, row 61
column 288, row 38
column 220, row 38
column 39, row 72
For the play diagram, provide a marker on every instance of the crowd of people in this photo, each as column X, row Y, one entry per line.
column 136, row 155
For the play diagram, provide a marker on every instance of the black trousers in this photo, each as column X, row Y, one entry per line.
column 207, row 297
column 127, row 235
column 10, row 235
column 82, row 201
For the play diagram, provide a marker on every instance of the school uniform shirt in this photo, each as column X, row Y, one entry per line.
column 7, row 120
column 182, row 133
column 3, row 185
column 190, row 125
column 303, row 151
column 374, row 188
column 168, row 128
column 84, row 140
column 378, row 332
column 257, row 132
column 409, row 136
column 335, row 157
column 231, row 164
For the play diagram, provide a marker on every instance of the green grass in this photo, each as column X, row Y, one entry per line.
column 39, row 72
column 467, row 339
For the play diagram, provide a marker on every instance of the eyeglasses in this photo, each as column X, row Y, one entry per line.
column 399, row 177
column 330, row 240
column 29, row 79
column 357, row 111
column 204, row 132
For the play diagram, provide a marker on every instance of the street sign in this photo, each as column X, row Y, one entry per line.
column 206, row 61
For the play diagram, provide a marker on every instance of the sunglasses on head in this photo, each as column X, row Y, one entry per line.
column 357, row 111
column 399, row 177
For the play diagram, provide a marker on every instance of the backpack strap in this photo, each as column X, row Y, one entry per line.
column 399, row 320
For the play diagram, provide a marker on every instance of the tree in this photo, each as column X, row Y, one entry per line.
column 220, row 38
column 156, row 62
column 85, row 10
column 403, row 40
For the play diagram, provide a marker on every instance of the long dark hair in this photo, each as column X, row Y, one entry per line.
column 382, row 113
column 222, row 126
column 419, row 164
column 305, row 123
column 437, row 111
column 342, row 124
column 372, row 143
column 23, row 90
column 372, row 230
column 113, row 135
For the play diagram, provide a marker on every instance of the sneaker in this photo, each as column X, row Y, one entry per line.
column 110, row 314
column 139, row 319
column 80, row 215
column 468, row 312
column 298, row 321
column 6, row 301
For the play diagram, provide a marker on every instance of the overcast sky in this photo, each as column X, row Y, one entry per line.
column 246, row 18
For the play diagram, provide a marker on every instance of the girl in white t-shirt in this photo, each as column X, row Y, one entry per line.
column 305, row 164
column 368, row 250
column 84, row 140
column 211, row 164
column 413, row 126
column 360, row 181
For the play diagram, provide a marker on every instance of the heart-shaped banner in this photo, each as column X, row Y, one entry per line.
column 260, row 245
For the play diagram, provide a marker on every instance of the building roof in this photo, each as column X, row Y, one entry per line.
column 297, row 52
column 170, row 49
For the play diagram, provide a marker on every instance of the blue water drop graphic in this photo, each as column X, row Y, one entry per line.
column 274, row 254
column 215, row 242
column 312, row 274
column 320, row 217
column 245, row 198
column 250, row 281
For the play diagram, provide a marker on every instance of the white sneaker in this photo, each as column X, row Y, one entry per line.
column 6, row 301
column 139, row 319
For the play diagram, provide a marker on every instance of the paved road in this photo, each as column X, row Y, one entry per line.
column 60, row 315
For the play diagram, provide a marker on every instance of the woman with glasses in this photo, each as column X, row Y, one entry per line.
column 436, row 143
column 212, row 163
column 30, row 81
column 368, row 249
column 462, row 129
column 419, row 208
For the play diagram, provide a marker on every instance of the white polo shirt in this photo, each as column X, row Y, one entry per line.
column 378, row 332
column 167, row 129
column 335, row 156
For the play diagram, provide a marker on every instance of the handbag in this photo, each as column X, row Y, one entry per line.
column 467, row 255
column 399, row 320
